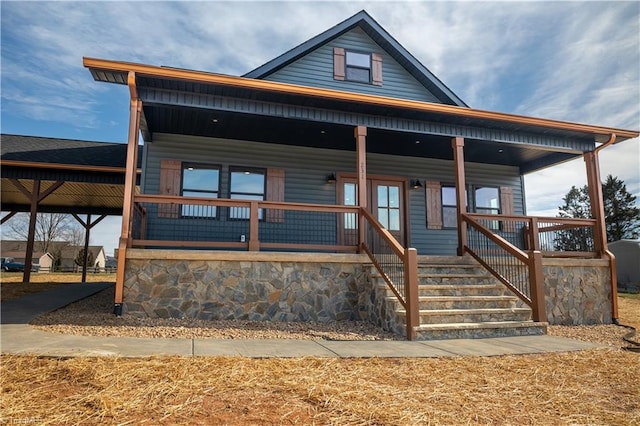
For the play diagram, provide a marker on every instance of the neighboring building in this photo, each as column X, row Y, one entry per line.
column 627, row 254
column 272, row 162
column 66, row 253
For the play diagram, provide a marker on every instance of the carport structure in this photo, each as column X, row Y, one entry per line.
column 50, row 175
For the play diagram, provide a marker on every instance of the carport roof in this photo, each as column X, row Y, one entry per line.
column 93, row 174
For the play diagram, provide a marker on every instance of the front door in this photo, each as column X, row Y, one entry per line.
column 385, row 201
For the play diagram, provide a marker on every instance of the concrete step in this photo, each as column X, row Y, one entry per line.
column 451, row 316
column 455, row 279
column 479, row 330
column 457, row 290
column 465, row 302
column 450, row 269
column 458, row 299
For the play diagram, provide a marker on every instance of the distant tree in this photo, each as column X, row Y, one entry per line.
column 74, row 235
column 622, row 216
column 50, row 227
column 80, row 258
column 576, row 205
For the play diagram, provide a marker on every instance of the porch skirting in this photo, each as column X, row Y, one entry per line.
column 263, row 286
column 577, row 291
column 213, row 285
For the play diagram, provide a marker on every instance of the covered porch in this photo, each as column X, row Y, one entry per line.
column 430, row 144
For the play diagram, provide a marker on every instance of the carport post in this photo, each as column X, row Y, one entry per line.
column 33, row 216
column 87, row 229
column 7, row 217
column 34, row 198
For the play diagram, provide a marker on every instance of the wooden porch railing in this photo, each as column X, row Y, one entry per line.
column 259, row 225
column 397, row 265
column 241, row 224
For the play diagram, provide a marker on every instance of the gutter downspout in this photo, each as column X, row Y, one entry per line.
column 135, row 111
column 593, row 164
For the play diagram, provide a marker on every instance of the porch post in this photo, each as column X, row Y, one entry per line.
column 135, row 109
column 457, row 144
column 360, row 133
column 596, row 201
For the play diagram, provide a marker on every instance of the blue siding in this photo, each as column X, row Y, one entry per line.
column 316, row 69
column 306, row 170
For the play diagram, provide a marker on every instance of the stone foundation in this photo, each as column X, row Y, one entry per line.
column 318, row 287
column 245, row 286
column 577, row 291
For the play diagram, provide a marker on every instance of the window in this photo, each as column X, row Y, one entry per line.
column 449, row 211
column 358, row 67
column 350, row 199
column 246, row 184
column 486, row 200
column 363, row 67
column 200, row 181
column 389, row 207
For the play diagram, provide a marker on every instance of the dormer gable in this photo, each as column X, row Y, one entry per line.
column 358, row 55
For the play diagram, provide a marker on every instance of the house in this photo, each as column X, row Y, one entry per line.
column 69, row 258
column 249, row 203
column 60, row 256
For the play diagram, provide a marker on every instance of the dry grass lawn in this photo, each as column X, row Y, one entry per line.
column 597, row 387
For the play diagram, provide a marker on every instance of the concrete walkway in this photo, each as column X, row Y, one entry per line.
column 17, row 337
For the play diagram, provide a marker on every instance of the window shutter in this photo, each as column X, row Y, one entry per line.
column 275, row 192
column 506, row 200
column 376, row 68
column 170, row 175
column 338, row 63
column 434, row 205
column 506, row 207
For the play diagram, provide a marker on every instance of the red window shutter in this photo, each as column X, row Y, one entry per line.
column 434, row 205
column 338, row 63
column 506, row 207
column 275, row 192
column 376, row 68
column 506, row 201
column 170, row 176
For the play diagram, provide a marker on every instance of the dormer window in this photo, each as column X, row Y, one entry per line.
column 360, row 67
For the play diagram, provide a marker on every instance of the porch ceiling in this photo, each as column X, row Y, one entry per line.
column 228, row 125
column 181, row 101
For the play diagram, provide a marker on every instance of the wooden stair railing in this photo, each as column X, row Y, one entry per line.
column 520, row 271
column 398, row 266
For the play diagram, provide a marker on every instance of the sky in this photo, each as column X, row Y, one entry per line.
column 574, row 61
